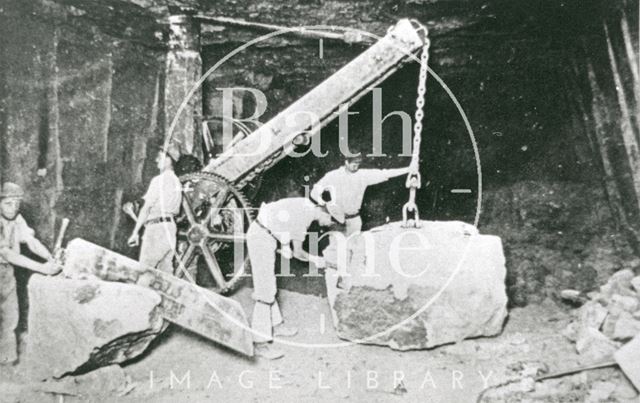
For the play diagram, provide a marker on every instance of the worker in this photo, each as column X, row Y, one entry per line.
column 161, row 204
column 281, row 223
column 349, row 183
column 13, row 232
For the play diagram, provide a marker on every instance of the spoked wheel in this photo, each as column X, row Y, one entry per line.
column 212, row 226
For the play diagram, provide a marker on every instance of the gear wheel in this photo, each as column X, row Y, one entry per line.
column 214, row 219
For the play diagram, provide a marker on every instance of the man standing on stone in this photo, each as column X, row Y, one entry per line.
column 349, row 183
column 13, row 232
column 283, row 224
column 161, row 204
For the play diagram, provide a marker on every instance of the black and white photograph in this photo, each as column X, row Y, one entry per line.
column 320, row 201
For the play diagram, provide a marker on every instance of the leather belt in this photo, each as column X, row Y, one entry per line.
column 265, row 228
column 158, row 220
column 346, row 216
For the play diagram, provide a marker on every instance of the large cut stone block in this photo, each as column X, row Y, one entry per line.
column 202, row 311
column 87, row 323
column 417, row 288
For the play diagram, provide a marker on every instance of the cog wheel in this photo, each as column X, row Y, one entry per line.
column 214, row 219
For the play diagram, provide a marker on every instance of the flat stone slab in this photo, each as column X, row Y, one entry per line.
column 415, row 288
column 214, row 316
column 87, row 323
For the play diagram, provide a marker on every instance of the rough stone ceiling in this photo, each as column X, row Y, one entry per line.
column 145, row 21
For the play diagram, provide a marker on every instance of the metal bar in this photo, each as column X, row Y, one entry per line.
column 576, row 369
column 301, row 32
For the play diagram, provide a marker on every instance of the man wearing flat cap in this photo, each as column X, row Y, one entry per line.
column 161, row 204
column 14, row 231
column 283, row 223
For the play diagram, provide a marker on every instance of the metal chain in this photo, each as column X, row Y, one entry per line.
column 413, row 177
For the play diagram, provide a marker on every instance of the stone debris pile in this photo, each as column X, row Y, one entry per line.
column 609, row 317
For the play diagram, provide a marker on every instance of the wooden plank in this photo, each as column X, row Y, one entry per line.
column 55, row 163
column 117, row 214
column 201, row 311
column 346, row 86
column 106, row 124
column 626, row 129
column 602, row 132
column 595, row 126
column 139, row 150
column 183, row 67
column 632, row 59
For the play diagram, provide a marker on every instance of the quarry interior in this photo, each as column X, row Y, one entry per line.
column 551, row 92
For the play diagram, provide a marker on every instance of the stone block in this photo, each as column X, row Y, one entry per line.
column 415, row 288
column 87, row 323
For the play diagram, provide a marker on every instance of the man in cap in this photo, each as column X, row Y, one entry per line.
column 13, row 232
column 161, row 204
column 281, row 223
column 349, row 183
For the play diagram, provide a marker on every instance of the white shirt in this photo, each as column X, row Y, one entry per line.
column 288, row 219
column 348, row 187
column 164, row 195
column 13, row 233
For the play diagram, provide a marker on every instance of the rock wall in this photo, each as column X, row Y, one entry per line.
column 79, row 111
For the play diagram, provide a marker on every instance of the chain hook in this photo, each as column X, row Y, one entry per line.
column 413, row 177
column 411, row 207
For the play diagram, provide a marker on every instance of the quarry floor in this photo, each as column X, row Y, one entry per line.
column 182, row 367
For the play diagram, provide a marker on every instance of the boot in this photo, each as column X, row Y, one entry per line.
column 284, row 331
column 266, row 350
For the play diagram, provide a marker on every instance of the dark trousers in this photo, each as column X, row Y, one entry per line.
column 9, row 314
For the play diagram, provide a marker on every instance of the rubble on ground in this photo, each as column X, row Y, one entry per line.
column 607, row 321
column 609, row 318
column 605, row 335
column 87, row 323
column 596, row 386
column 445, row 283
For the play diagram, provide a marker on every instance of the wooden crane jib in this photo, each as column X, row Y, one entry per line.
column 216, row 213
column 264, row 147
